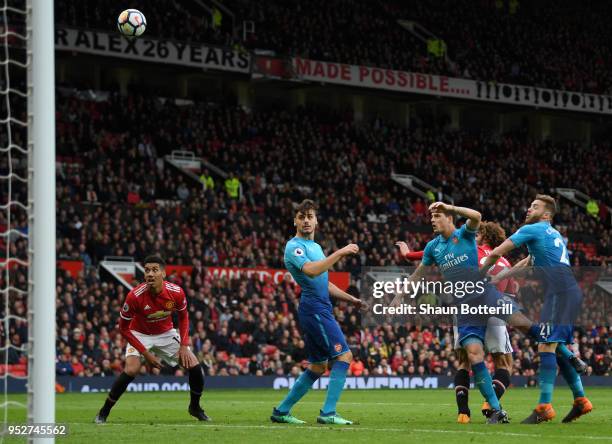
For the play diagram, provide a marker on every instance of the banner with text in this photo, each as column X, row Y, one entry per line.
column 148, row 383
column 341, row 279
column 152, row 50
column 401, row 81
column 127, row 271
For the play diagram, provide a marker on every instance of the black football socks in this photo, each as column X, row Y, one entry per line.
column 501, row 381
column 119, row 386
column 462, row 389
column 196, row 384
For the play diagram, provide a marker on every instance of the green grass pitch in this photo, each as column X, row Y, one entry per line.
column 384, row 416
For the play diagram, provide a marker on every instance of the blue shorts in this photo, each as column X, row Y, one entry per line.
column 558, row 316
column 475, row 326
column 323, row 337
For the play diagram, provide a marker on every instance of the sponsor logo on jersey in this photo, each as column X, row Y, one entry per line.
column 158, row 315
column 452, row 261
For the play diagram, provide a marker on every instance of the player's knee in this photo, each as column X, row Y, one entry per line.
column 346, row 357
column 319, row 369
column 463, row 361
column 464, row 365
column 476, row 357
column 547, row 347
column 475, row 353
column 501, row 361
column 132, row 367
column 132, row 371
column 509, row 363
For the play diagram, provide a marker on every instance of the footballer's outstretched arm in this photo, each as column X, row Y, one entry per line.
column 506, row 247
column 340, row 295
column 473, row 216
column 407, row 254
column 313, row 269
column 517, row 270
column 419, row 273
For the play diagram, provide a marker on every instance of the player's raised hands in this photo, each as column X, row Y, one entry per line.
column 349, row 249
column 440, row 207
column 152, row 360
column 403, row 247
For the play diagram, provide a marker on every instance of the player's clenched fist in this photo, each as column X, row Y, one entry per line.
column 349, row 249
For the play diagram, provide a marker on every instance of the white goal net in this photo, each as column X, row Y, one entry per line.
column 27, row 194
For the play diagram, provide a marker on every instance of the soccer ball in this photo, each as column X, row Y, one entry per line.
column 131, row 23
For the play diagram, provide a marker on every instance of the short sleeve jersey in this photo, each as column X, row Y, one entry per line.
column 315, row 292
column 152, row 314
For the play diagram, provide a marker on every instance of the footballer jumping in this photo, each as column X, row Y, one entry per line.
column 497, row 341
column 454, row 252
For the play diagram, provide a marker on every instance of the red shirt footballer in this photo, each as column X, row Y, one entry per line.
column 151, row 314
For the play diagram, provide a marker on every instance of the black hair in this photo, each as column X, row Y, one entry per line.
column 154, row 259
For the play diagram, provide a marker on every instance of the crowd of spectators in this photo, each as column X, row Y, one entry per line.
column 113, row 172
column 116, row 196
column 248, row 326
column 554, row 44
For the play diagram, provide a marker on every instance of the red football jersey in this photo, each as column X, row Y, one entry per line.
column 152, row 314
column 505, row 286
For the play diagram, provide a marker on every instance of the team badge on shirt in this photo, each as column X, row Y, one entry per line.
column 170, row 305
column 298, row 252
column 455, row 240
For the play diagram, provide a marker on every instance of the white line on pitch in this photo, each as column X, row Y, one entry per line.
column 271, row 403
column 356, row 428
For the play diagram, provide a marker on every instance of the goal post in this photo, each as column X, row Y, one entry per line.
column 41, row 141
